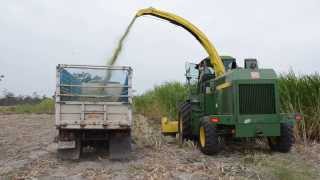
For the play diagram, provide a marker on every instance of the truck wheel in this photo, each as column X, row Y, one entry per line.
column 120, row 145
column 282, row 143
column 185, row 131
column 210, row 142
column 71, row 154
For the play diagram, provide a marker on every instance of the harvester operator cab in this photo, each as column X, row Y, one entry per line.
column 206, row 71
column 203, row 72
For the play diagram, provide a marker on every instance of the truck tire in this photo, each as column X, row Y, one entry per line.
column 120, row 145
column 209, row 141
column 185, row 131
column 71, row 154
column 282, row 143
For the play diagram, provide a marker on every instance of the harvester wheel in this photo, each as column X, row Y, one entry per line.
column 284, row 142
column 185, row 131
column 210, row 142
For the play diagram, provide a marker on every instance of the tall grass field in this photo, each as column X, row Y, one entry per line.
column 44, row 106
column 162, row 100
column 302, row 94
column 299, row 94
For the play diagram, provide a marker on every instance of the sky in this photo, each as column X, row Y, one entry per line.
column 36, row 35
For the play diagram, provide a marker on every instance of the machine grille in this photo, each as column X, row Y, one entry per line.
column 257, row 99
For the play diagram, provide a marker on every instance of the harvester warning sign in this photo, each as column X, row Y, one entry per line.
column 255, row 75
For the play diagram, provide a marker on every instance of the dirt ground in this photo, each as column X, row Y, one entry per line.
column 28, row 151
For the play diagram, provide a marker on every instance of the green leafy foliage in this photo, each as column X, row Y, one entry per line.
column 302, row 94
column 163, row 100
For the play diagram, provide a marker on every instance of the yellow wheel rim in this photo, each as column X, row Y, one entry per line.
column 180, row 132
column 202, row 137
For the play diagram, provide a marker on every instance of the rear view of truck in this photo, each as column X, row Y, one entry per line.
column 93, row 107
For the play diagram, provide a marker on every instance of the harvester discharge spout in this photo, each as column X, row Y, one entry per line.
column 199, row 35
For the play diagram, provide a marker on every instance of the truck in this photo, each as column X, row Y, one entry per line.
column 93, row 107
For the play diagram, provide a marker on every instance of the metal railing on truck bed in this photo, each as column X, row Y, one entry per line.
column 93, row 96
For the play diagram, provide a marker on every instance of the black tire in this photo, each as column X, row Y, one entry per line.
column 211, row 144
column 284, row 142
column 120, row 145
column 185, row 131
